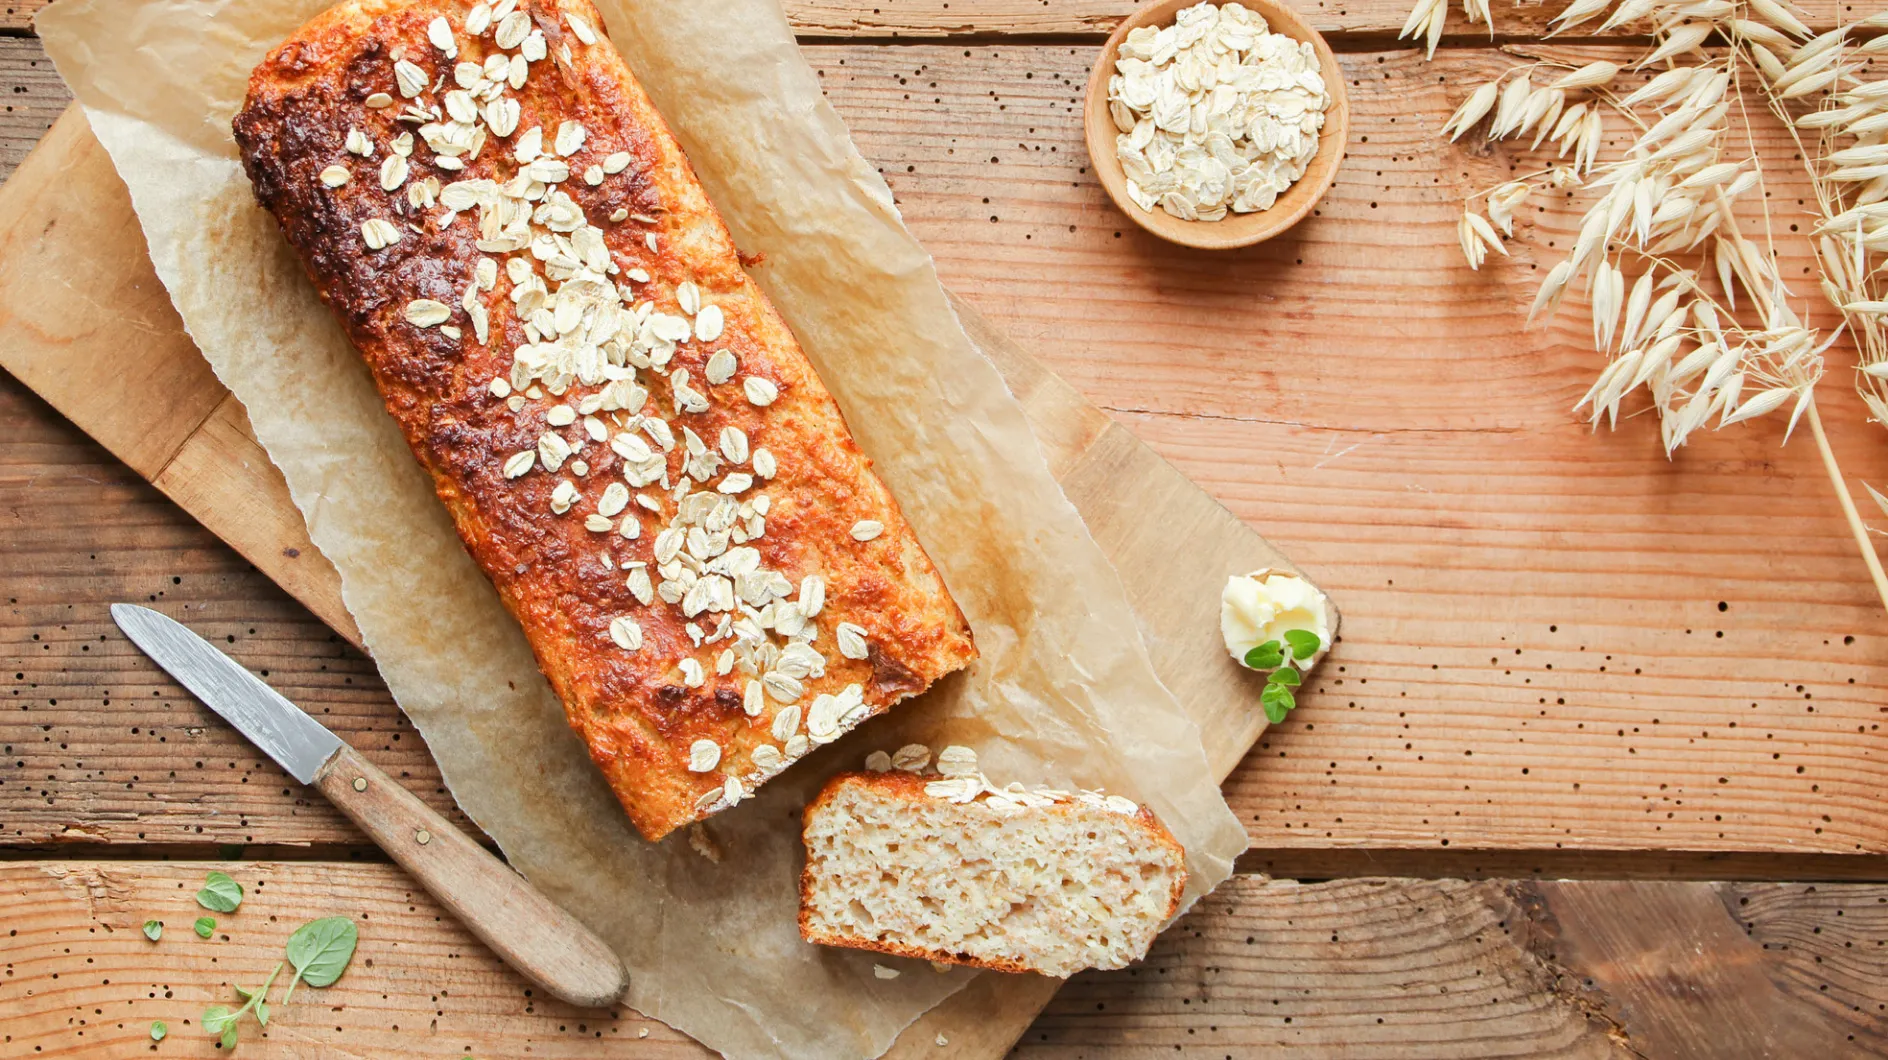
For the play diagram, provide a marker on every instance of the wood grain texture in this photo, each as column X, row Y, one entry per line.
column 1369, row 22
column 80, row 529
column 1553, row 638
column 34, row 94
column 986, row 19
column 1698, row 954
column 48, row 255
column 173, row 422
column 1536, row 654
column 1371, row 968
column 253, row 513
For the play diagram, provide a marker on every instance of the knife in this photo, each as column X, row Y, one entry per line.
column 545, row 944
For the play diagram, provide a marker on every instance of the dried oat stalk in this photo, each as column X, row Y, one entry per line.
column 1689, row 311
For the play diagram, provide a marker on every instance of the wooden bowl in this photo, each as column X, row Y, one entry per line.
column 1235, row 229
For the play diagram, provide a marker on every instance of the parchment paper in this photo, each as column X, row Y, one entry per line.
column 1064, row 693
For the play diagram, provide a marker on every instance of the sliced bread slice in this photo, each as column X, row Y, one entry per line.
column 949, row 869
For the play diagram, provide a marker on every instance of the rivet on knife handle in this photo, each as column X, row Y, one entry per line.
column 545, row 944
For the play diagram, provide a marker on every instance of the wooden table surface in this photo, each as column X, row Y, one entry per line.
column 1596, row 771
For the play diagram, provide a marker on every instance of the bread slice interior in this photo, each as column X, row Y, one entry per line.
column 1054, row 883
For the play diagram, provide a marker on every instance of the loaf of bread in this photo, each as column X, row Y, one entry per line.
column 950, row 869
column 628, row 438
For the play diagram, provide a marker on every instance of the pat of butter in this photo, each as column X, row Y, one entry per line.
column 1263, row 605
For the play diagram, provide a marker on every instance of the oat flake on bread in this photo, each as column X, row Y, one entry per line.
column 1215, row 112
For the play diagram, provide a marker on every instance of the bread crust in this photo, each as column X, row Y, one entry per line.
column 909, row 787
column 635, row 710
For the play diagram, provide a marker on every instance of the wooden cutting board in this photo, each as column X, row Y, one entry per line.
column 86, row 324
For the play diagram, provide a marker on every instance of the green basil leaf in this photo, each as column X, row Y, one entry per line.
column 262, row 1013
column 217, row 1017
column 228, row 1038
column 1266, row 656
column 1304, row 643
column 320, row 949
column 205, row 925
column 244, row 992
column 158, row 1030
column 220, row 893
column 1285, row 675
column 1277, row 700
column 153, row 929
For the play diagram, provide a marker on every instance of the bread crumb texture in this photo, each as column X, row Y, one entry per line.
column 1053, row 889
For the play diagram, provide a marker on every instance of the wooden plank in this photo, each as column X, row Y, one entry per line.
column 172, row 421
column 1601, row 927
column 1082, row 19
column 34, row 95
column 81, row 980
column 1532, row 658
column 1355, row 968
column 252, row 510
column 1368, row 21
column 1561, row 636
column 1494, row 969
column 68, row 313
column 96, row 744
column 1458, row 863
column 908, row 18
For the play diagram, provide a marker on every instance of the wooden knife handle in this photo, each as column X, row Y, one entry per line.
column 545, row 944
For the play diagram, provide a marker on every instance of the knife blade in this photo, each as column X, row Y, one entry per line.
column 530, row 932
column 297, row 742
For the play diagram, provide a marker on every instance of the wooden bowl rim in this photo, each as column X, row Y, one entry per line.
column 1234, row 230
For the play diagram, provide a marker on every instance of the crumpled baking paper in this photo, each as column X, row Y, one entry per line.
column 1064, row 693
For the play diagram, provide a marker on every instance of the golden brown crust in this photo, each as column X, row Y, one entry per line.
column 908, row 786
column 635, row 709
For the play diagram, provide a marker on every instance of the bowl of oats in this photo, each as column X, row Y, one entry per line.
column 1216, row 125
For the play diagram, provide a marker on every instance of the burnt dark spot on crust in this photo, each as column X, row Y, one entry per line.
column 891, row 679
column 296, row 58
column 366, row 71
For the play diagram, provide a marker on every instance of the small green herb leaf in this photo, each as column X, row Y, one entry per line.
column 1304, row 643
column 219, row 1019
column 220, row 893
column 228, row 1038
column 158, row 1030
column 244, row 992
column 1265, row 656
column 1285, row 675
column 262, row 1013
column 320, row 949
column 1276, row 699
column 205, row 925
column 153, row 929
